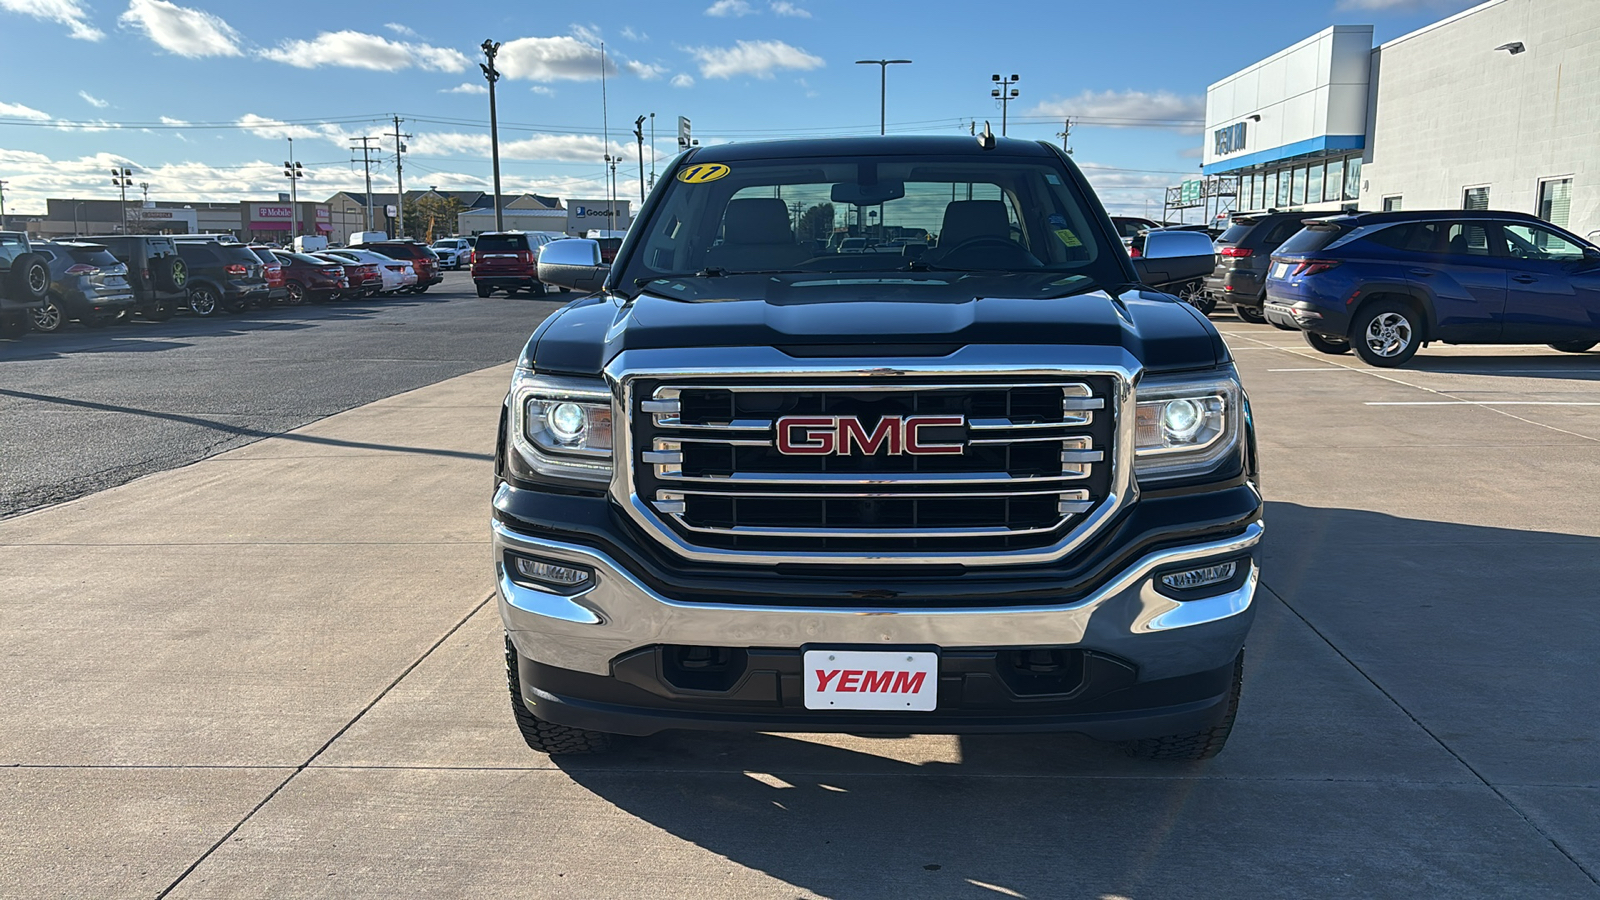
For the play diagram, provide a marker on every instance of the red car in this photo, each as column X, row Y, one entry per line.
column 306, row 277
column 272, row 270
column 420, row 255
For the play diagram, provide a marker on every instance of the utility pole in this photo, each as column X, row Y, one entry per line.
column 293, row 172
column 1005, row 93
column 399, row 179
column 883, row 85
column 366, row 163
column 1066, row 136
column 638, row 132
column 492, row 75
column 123, row 179
column 3, row 204
column 652, row 151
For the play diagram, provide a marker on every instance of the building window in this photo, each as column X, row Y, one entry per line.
column 1297, row 194
column 1475, row 198
column 1335, row 182
column 1271, row 191
column 1314, row 184
column 1285, row 185
column 1555, row 201
column 1352, row 178
column 1253, row 191
column 1391, row 203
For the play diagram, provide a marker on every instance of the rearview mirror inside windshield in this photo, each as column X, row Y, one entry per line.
column 868, row 194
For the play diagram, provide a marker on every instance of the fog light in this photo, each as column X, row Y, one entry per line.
column 543, row 572
column 1199, row 578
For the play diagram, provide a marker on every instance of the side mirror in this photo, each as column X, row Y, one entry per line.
column 573, row 263
column 1174, row 257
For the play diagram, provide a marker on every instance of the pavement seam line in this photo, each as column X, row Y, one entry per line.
column 323, row 749
column 1511, row 805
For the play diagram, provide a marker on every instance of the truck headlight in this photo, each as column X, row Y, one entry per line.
column 561, row 426
column 1186, row 425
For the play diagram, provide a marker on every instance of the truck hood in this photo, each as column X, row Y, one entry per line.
column 1156, row 329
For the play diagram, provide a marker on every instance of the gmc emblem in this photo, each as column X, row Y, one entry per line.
column 842, row 435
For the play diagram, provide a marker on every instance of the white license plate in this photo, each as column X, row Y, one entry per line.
column 871, row 679
column 1280, row 270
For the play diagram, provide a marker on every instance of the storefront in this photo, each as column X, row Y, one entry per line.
column 277, row 222
column 1492, row 108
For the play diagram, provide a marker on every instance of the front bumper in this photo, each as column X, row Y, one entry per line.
column 1149, row 664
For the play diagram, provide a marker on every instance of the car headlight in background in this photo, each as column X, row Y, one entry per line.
column 1186, row 425
column 561, row 426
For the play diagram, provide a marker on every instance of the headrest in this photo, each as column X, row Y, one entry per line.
column 757, row 220
column 968, row 219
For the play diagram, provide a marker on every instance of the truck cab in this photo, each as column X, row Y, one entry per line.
column 753, row 480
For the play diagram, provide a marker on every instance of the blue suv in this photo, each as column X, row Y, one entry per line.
column 1385, row 284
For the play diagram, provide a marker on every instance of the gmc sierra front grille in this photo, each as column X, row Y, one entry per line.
column 866, row 467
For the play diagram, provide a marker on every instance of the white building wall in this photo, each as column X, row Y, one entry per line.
column 1449, row 111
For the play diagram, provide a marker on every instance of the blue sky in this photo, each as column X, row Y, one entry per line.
column 198, row 96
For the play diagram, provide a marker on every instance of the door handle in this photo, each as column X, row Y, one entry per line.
column 1524, row 279
column 1423, row 272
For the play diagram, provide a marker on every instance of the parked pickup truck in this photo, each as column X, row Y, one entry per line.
column 997, row 484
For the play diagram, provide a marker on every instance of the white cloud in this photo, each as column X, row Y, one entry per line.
column 94, row 125
column 558, row 147
column 168, row 120
column 757, row 58
column 725, row 8
column 466, row 87
column 632, row 35
column 263, row 127
column 399, row 29
column 177, row 29
column 543, row 91
column 18, row 111
column 68, row 12
column 1130, row 109
column 682, row 80
column 589, row 34
column 94, row 101
column 358, row 50
column 561, row 58
column 785, row 8
column 646, row 71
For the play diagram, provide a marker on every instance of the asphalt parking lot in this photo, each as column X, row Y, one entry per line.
column 278, row 672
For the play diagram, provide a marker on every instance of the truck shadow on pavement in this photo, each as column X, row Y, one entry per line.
column 1382, row 677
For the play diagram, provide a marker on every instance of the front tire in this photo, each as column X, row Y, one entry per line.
column 1195, row 295
column 547, row 737
column 1195, row 745
column 1386, row 334
column 1330, row 346
column 203, row 302
column 1573, row 346
column 48, row 318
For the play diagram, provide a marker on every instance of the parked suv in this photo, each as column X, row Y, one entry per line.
column 453, row 252
column 422, row 257
column 508, row 261
column 87, row 285
column 158, row 275
column 1244, row 252
column 1387, row 284
column 24, row 283
column 997, row 486
column 222, row 276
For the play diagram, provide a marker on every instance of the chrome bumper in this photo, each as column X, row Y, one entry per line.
column 1126, row 617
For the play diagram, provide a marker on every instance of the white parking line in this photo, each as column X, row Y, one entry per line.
column 1483, row 403
column 1317, row 369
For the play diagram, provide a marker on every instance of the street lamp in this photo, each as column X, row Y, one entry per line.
column 294, row 172
column 123, row 179
column 1005, row 93
column 883, row 83
column 491, row 74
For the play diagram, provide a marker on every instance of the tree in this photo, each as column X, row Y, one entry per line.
column 431, row 216
column 816, row 223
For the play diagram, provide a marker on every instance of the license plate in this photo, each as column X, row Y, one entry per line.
column 1281, row 270
column 871, row 679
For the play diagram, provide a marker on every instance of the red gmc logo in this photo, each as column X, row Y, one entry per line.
column 842, row 435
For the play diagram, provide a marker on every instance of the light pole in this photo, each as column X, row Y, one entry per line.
column 638, row 132
column 652, row 150
column 3, row 204
column 883, row 84
column 293, row 171
column 490, row 48
column 123, row 179
column 1005, row 93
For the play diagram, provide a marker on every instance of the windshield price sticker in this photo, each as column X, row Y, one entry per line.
column 703, row 173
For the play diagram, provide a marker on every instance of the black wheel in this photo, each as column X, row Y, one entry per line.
column 547, row 737
column 1251, row 314
column 422, row 289
column 48, row 318
column 296, row 293
column 1386, row 333
column 1195, row 295
column 484, row 291
column 29, row 279
column 1573, row 346
column 1196, row 745
column 203, row 301
column 1330, row 346
column 171, row 273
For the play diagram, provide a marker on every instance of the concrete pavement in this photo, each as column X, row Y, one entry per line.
column 276, row 673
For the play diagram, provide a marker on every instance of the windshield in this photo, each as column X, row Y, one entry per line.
column 876, row 219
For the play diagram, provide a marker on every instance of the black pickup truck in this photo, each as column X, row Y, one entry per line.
column 979, row 476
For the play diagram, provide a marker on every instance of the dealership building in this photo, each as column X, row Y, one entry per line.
column 1497, row 107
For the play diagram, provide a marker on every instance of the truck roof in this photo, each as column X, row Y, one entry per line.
column 894, row 145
